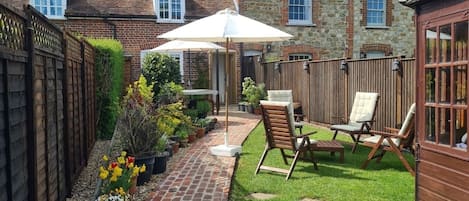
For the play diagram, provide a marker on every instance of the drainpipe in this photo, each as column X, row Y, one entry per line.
column 113, row 27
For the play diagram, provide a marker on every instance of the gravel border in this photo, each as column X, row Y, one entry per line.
column 84, row 188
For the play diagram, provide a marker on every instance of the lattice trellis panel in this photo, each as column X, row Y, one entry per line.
column 46, row 36
column 11, row 29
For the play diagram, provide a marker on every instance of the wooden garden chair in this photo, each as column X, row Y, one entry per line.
column 279, row 131
column 286, row 96
column 394, row 140
column 361, row 117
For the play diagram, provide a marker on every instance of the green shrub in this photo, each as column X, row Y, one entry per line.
column 254, row 93
column 170, row 93
column 109, row 83
column 160, row 69
column 202, row 107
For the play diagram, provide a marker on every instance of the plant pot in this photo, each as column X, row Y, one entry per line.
column 191, row 138
column 249, row 109
column 169, row 149
column 175, row 147
column 184, row 143
column 175, row 138
column 160, row 163
column 133, row 187
column 149, row 161
column 200, row 132
column 211, row 125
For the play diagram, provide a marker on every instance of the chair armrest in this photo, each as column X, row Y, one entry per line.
column 394, row 130
column 306, row 134
column 386, row 134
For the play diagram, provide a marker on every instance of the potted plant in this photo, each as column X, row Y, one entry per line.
column 118, row 177
column 161, row 156
column 202, row 107
column 254, row 93
column 170, row 93
column 200, row 125
column 137, row 126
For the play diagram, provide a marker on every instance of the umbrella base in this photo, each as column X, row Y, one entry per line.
column 225, row 150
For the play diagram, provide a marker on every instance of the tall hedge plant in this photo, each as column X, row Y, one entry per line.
column 109, row 83
column 160, row 69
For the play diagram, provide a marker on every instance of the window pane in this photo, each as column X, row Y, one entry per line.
column 444, row 85
column 430, row 85
column 460, row 41
column 430, row 123
column 430, row 46
column 52, row 11
column 460, row 127
column 445, row 43
column 444, row 126
column 460, row 83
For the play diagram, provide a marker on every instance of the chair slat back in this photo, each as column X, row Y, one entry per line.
column 277, row 123
column 407, row 127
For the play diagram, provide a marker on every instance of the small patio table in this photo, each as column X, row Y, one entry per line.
column 191, row 92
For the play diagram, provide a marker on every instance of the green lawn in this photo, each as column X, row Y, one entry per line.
column 388, row 180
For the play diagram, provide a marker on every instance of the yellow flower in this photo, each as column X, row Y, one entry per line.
column 117, row 171
column 131, row 165
column 123, row 153
column 101, row 169
column 105, row 158
column 143, row 168
column 121, row 160
column 103, row 175
column 121, row 191
column 135, row 171
column 113, row 178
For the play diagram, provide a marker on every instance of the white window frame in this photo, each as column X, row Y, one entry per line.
column 308, row 6
column 309, row 56
column 170, row 19
column 171, row 54
column 48, row 7
column 375, row 54
column 383, row 11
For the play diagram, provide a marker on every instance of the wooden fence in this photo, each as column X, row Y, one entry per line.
column 47, row 106
column 326, row 93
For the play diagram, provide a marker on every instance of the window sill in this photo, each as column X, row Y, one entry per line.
column 170, row 21
column 56, row 17
column 301, row 24
column 376, row 27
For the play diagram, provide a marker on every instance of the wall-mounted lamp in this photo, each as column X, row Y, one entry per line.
column 259, row 59
column 344, row 66
column 306, row 66
column 396, row 65
column 268, row 47
column 277, row 67
column 362, row 55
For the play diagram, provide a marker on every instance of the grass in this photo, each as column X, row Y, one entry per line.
column 388, row 180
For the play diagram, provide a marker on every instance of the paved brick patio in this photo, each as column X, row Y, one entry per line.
column 198, row 175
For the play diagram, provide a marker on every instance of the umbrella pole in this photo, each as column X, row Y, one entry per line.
column 226, row 90
column 189, row 58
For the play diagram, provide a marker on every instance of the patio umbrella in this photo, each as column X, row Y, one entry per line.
column 179, row 45
column 226, row 26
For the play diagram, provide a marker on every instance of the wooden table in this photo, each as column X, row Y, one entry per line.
column 192, row 92
column 330, row 146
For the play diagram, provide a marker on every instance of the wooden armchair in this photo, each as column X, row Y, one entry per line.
column 287, row 96
column 361, row 117
column 394, row 140
column 279, row 131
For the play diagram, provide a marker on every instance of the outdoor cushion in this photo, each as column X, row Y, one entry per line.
column 464, row 138
column 363, row 106
column 352, row 127
column 374, row 139
column 298, row 142
column 408, row 119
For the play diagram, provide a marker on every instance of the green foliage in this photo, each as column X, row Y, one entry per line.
column 170, row 93
column 109, row 83
column 202, row 107
column 254, row 93
column 138, row 120
column 183, row 130
column 170, row 117
column 192, row 113
column 387, row 180
column 160, row 69
column 161, row 145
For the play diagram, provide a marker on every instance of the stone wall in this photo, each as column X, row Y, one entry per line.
column 400, row 36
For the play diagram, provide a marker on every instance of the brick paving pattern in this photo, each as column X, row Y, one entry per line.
column 198, row 175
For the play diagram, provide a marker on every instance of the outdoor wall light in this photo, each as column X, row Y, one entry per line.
column 396, row 65
column 306, row 66
column 344, row 66
column 259, row 59
column 277, row 67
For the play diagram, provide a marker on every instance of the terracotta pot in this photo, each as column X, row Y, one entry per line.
column 175, row 147
column 200, row 132
column 133, row 187
column 192, row 137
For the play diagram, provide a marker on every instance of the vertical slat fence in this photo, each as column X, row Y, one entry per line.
column 47, row 102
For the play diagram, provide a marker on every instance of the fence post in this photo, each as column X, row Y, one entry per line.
column 29, row 74
column 84, row 98
column 67, row 145
column 399, row 97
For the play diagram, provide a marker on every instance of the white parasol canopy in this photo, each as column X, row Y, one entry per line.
column 179, row 45
column 226, row 26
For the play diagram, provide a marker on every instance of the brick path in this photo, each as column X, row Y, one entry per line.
column 198, row 175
